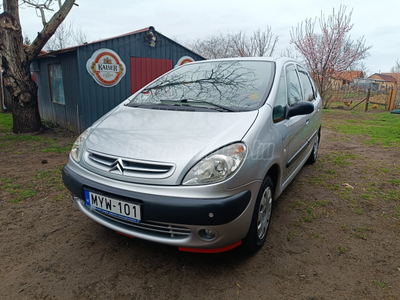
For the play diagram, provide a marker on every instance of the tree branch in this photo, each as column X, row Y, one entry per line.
column 40, row 7
column 49, row 28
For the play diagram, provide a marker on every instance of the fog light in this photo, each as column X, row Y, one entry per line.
column 207, row 234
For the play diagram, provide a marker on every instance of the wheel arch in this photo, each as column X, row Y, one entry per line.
column 274, row 173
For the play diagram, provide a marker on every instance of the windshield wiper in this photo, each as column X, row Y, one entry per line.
column 189, row 101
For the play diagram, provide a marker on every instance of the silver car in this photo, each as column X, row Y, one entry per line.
column 196, row 158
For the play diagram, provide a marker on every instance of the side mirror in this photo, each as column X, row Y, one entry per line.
column 300, row 108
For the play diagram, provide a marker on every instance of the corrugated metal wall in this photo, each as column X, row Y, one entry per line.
column 97, row 100
column 85, row 100
column 145, row 70
column 63, row 114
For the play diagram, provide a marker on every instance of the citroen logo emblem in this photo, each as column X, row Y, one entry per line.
column 117, row 165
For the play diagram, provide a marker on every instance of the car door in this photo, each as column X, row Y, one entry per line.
column 280, row 121
column 310, row 94
column 297, row 125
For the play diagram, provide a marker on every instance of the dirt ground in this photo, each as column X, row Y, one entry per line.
column 335, row 234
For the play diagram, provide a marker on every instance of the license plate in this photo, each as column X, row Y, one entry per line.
column 114, row 207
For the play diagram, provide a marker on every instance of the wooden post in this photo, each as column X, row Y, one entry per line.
column 392, row 99
column 389, row 102
column 2, row 98
column 367, row 99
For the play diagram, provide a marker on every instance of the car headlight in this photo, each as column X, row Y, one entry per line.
column 76, row 152
column 217, row 166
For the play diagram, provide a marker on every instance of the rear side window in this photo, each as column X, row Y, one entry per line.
column 308, row 91
column 293, row 85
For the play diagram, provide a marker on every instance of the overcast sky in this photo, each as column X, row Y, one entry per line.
column 378, row 22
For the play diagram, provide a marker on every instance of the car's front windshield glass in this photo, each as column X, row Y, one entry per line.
column 235, row 85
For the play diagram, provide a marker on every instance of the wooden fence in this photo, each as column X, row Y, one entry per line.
column 352, row 97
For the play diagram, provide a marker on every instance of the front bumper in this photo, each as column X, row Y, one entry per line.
column 171, row 220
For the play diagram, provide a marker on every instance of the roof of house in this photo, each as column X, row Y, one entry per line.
column 387, row 78
column 350, row 75
column 394, row 75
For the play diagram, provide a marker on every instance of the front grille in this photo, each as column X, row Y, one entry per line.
column 160, row 229
column 129, row 167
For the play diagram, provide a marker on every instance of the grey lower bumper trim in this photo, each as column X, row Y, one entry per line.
column 166, row 209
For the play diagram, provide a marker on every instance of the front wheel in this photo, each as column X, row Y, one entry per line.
column 261, row 218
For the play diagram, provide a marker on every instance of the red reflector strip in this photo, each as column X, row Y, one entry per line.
column 215, row 250
column 125, row 234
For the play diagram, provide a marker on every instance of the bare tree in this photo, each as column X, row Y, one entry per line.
column 361, row 66
column 16, row 59
column 66, row 35
column 79, row 36
column 215, row 46
column 240, row 44
column 61, row 38
column 330, row 52
column 290, row 52
column 260, row 43
column 263, row 43
column 396, row 67
column 27, row 41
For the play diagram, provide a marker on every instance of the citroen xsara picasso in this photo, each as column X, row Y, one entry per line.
column 196, row 158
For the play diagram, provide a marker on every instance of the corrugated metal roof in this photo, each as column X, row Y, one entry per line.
column 41, row 51
column 73, row 48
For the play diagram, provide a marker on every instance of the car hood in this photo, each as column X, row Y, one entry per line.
column 180, row 138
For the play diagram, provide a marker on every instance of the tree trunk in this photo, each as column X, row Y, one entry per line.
column 17, row 76
column 15, row 61
column 26, row 116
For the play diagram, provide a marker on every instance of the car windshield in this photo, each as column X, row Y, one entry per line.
column 227, row 85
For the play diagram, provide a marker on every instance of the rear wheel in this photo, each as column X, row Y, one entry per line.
column 313, row 156
column 261, row 218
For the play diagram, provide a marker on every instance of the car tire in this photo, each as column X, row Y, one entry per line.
column 261, row 218
column 314, row 153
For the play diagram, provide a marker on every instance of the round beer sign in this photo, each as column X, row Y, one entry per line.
column 106, row 67
column 184, row 60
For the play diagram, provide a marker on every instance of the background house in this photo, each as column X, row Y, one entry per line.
column 78, row 85
column 345, row 79
column 385, row 81
column 396, row 76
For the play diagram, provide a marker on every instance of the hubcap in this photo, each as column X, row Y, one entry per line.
column 264, row 213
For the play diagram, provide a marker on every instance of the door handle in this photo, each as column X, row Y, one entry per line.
column 308, row 121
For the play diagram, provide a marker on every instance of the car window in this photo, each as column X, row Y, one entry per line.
column 239, row 85
column 293, row 85
column 280, row 101
column 308, row 91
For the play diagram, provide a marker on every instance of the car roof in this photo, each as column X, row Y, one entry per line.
column 271, row 58
column 280, row 61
